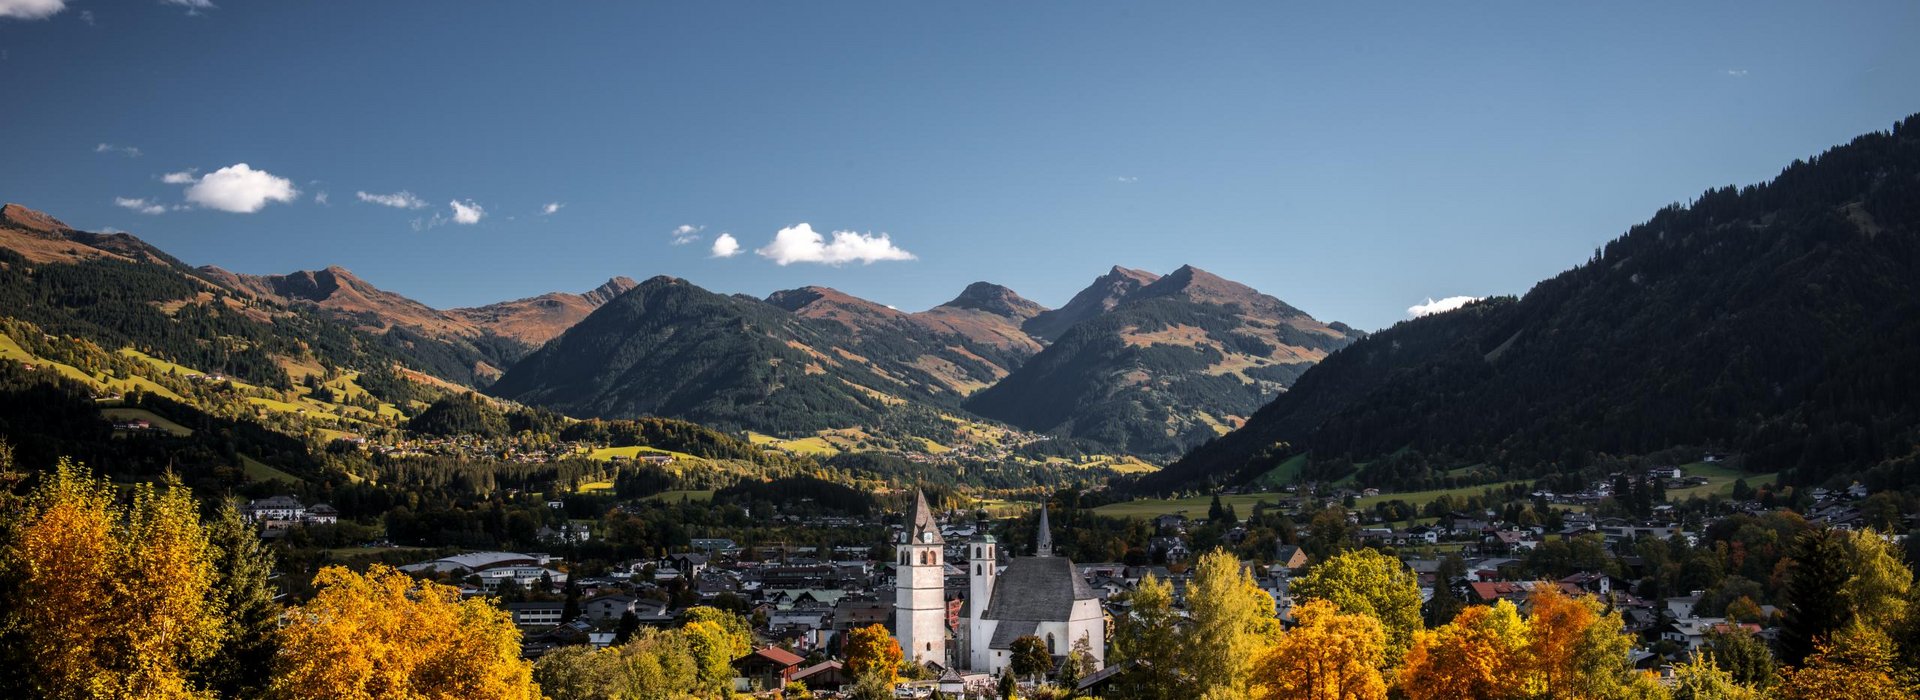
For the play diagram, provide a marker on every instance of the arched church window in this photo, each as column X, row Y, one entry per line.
column 976, row 569
column 1050, row 649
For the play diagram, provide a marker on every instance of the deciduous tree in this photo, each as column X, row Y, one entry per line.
column 383, row 634
column 1366, row 582
column 1859, row 663
column 1482, row 654
column 1329, row 655
column 1231, row 620
column 872, row 649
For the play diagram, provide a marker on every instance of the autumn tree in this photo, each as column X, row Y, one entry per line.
column 1878, row 588
column 1328, row 655
column 1858, row 663
column 1482, row 654
column 1578, row 649
column 578, row 673
column 715, row 638
column 1702, row 679
column 110, row 599
column 1231, row 620
column 873, row 650
column 1150, row 636
column 1030, row 657
column 655, row 663
column 1366, row 582
column 383, row 634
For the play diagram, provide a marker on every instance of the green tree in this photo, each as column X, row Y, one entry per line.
column 578, row 673
column 1879, row 584
column 1030, row 657
column 1150, row 637
column 1701, row 679
column 1744, row 656
column 1814, row 606
column 242, row 567
column 1366, row 582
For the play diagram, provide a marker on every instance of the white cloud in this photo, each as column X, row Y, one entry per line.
column 320, row 197
column 686, row 233
column 183, row 177
column 1441, row 306
column 1128, row 179
column 398, row 200
column 725, row 246
column 87, row 16
column 467, row 212
column 1737, row 72
column 800, row 243
column 237, row 188
column 141, row 205
column 31, row 9
column 193, row 6
column 128, row 151
column 551, row 207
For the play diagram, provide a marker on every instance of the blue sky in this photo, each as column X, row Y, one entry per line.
column 1353, row 161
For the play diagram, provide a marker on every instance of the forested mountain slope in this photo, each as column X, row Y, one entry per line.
column 1777, row 321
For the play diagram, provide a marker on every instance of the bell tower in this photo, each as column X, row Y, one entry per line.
column 920, row 593
column 983, row 559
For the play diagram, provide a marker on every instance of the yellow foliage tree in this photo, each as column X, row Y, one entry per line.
column 1483, row 654
column 1857, row 664
column 1578, row 649
column 872, row 649
column 1231, row 622
column 383, row 634
column 1330, row 655
column 111, row 601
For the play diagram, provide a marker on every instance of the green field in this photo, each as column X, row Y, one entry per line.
column 1720, row 480
column 608, row 453
column 258, row 471
column 1286, row 473
column 595, row 486
column 125, row 414
column 1193, row 507
column 1421, row 498
column 698, row 496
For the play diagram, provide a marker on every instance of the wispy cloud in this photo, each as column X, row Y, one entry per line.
column 725, row 246
column 686, row 233
column 142, row 205
column 800, row 243
column 103, row 147
column 398, row 200
column 1128, row 179
column 320, row 197
column 1737, row 72
column 237, row 188
column 551, row 208
column 193, row 6
column 467, row 212
column 31, row 9
column 181, row 178
column 1441, row 306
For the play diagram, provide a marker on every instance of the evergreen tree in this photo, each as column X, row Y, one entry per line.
column 1814, row 606
column 629, row 623
column 242, row 567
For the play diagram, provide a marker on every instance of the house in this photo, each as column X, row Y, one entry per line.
column 1290, row 556
column 1681, row 608
column 768, row 668
column 542, row 614
column 275, row 508
column 827, row 675
column 608, row 608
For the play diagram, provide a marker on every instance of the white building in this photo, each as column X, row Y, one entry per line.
column 1043, row 596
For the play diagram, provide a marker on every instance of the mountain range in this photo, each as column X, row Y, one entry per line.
column 1776, row 323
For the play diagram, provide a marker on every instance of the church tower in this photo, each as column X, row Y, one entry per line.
column 983, row 560
column 920, row 597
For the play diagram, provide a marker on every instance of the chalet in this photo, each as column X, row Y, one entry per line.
column 765, row 669
column 827, row 675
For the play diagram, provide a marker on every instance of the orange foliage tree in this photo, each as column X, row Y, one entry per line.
column 872, row 649
column 1482, row 654
column 384, row 634
column 1330, row 655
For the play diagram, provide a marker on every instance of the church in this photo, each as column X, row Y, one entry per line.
column 1042, row 595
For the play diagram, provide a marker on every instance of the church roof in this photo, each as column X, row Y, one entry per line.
column 1036, row 589
column 1006, row 632
column 921, row 521
column 1043, row 542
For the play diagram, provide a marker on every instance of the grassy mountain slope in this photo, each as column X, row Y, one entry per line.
column 1167, row 365
column 1777, row 321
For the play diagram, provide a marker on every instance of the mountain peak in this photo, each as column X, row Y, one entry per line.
column 1106, row 292
column 606, row 292
column 994, row 299
column 31, row 220
column 814, row 301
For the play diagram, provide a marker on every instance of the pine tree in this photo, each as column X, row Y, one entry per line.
column 1814, row 605
column 242, row 569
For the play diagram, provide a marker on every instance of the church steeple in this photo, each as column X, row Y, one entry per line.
column 1043, row 542
column 921, row 527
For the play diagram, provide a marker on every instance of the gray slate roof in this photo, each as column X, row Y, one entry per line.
column 1006, row 632
column 1036, row 589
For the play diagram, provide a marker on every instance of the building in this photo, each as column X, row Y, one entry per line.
column 536, row 614
column 767, row 668
column 1043, row 596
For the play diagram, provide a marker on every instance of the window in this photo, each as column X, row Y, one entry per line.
column 1050, row 643
column 976, row 569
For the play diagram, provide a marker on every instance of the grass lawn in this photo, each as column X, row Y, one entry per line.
column 258, row 471
column 1285, row 473
column 126, row 414
column 1194, row 507
column 629, row 452
column 593, row 486
column 1421, row 498
column 1720, row 480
